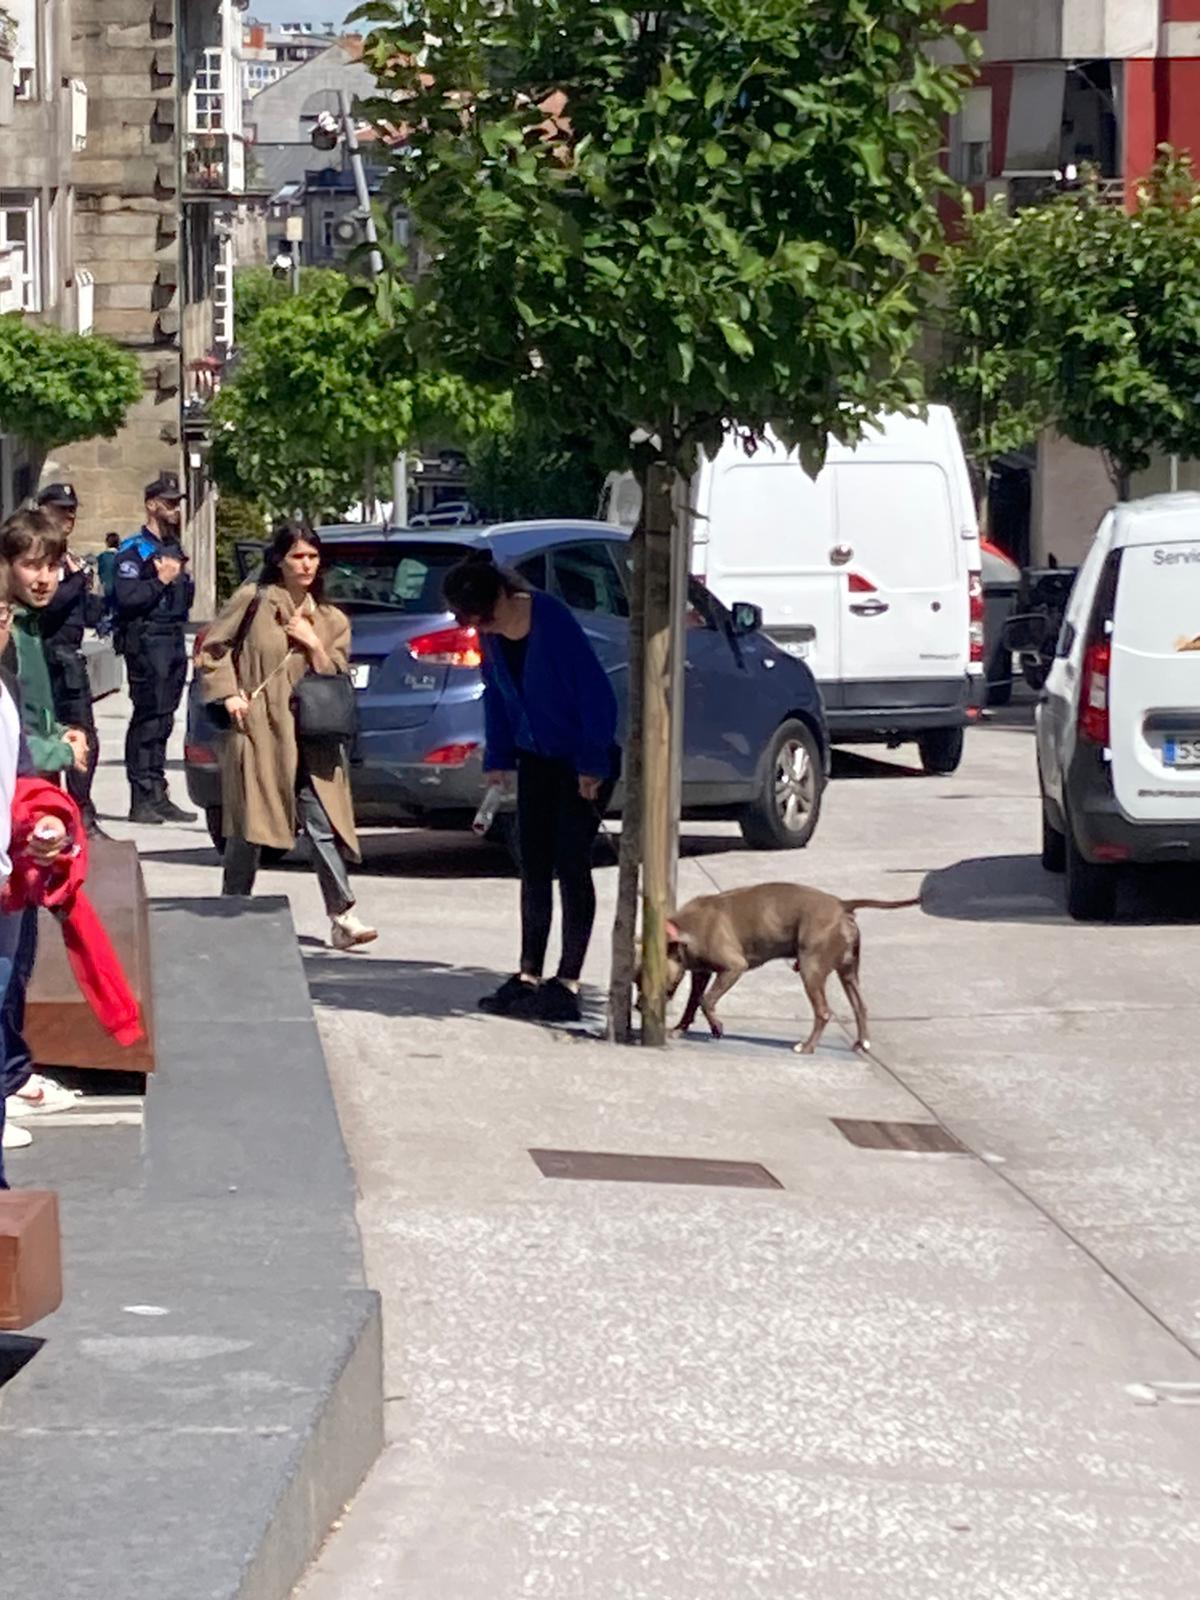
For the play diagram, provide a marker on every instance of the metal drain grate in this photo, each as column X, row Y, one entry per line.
column 919, row 1138
column 598, row 1167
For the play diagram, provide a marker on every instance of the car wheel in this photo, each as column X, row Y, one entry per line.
column 1091, row 889
column 503, row 832
column 1000, row 678
column 1054, row 845
column 216, row 827
column 269, row 856
column 785, row 813
column 941, row 750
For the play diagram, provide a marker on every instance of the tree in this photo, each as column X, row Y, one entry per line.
column 665, row 219
column 526, row 470
column 56, row 388
column 256, row 288
column 1085, row 316
column 310, row 421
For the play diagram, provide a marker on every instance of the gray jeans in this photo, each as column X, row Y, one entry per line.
column 241, row 857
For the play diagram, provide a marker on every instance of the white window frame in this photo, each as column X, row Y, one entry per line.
column 207, row 93
column 12, row 203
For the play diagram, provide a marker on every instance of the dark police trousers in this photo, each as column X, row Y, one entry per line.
column 73, row 708
column 156, row 664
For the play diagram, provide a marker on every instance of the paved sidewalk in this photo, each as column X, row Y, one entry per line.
column 899, row 1377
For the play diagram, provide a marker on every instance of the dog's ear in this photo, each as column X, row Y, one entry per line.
column 672, row 931
column 677, row 935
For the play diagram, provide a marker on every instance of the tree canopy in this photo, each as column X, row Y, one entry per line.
column 57, row 388
column 310, row 418
column 1081, row 315
column 670, row 218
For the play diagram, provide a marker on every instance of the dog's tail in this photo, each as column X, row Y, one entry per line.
column 879, row 905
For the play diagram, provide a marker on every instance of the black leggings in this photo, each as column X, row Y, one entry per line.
column 556, row 827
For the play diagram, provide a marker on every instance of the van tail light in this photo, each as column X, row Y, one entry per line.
column 1093, row 700
column 857, row 584
column 975, row 626
column 450, row 755
column 447, row 647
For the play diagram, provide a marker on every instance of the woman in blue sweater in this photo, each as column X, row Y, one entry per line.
column 550, row 719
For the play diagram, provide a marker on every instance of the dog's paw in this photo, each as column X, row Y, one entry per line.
column 717, row 1031
column 805, row 1049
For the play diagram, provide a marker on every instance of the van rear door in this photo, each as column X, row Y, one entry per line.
column 1154, row 679
column 906, row 603
column 766, row 536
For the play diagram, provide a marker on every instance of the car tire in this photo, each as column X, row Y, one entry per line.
column 1054, row 844
column 1000, row 678
column 784, row 815
column 270, row 855
column 215, row 821
column 941, row 750
column 1091, row 889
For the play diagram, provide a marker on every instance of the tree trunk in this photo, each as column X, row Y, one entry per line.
column 656, row 756
column 624, row 940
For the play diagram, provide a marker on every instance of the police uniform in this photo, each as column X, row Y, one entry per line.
column 150, row 628
column 73, row 609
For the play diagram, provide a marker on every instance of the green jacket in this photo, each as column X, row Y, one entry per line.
column 47, row 747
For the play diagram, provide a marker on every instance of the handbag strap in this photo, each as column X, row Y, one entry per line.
column 243, row 628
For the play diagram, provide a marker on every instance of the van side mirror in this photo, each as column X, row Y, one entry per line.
column 746, row 618
column 1026, row 631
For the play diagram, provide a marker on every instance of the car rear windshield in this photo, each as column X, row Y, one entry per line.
column 404, row 577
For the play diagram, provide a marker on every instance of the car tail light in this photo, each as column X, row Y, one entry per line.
column 1093, row 699
column 448, row 647
column 199, row 755
column 450, row 755
column 975, row 629
column 857, row 584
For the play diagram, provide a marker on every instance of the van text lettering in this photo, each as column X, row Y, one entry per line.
column 1172, row 558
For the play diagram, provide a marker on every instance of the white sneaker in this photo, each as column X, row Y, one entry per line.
column 16, row 1138
column 347, row 932
column 40, row 1094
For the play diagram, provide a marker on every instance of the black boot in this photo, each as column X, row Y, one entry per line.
column 168, row 811
column 145, row 811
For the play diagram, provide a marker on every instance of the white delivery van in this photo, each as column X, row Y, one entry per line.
column 1118, row 726
column 870, row 573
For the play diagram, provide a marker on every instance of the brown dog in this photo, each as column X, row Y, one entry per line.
column 719, row 937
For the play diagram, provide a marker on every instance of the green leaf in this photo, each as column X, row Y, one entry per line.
column 735, row 337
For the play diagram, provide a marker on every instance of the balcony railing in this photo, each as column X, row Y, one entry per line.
column 214, row 164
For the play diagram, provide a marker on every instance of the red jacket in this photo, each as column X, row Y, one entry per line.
column 59, row 887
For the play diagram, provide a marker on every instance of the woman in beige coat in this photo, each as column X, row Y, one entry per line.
column 270, row 786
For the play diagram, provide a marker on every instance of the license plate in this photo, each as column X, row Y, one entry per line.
column 1181, row 752
column 360, row 674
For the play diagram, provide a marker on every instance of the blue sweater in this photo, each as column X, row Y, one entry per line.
column 563, row 708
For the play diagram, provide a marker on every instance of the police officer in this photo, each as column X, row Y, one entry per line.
column 73, row 608
column 153, row 595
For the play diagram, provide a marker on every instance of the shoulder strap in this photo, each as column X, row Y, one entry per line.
column 244, row 626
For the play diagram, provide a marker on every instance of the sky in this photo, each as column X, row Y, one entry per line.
column 333, row 11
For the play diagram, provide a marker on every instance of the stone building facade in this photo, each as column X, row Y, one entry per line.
column 136, row 221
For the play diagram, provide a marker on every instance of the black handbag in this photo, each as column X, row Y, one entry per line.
column 325, row 706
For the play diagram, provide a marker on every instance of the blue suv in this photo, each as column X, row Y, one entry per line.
column 755, row 747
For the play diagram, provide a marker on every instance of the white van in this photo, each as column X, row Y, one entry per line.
column 870, row 573
column 1118, row 728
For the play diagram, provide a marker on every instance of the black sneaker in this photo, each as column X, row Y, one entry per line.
column 170, row 812
column 557, row 1003
column 514, row 998
column 147, row 812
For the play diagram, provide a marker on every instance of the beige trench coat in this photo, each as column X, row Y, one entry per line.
column 259, row 762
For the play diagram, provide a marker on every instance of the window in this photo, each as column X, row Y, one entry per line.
column 973, row 138
column 387, row 575
column 533, row 570
column 20, row 244
column 586, row 579
column 328, row 224
column 208, row 94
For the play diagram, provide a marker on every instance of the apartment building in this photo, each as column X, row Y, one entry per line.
column 271, row 52
column 1064, row 83
column 43, row 126
column 122, row 173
